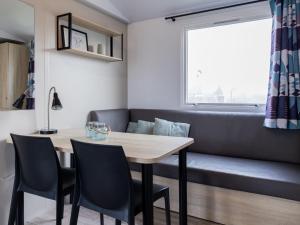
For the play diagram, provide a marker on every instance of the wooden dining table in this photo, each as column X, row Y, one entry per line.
column 143, row 149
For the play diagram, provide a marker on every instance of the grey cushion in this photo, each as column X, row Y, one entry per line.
column 117, row 119
column 231, row 134
column 256, row 176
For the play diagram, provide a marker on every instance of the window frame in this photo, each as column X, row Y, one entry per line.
column 234, row 107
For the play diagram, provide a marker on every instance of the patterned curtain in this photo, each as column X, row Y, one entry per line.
column 30, row 100
column 283, row 104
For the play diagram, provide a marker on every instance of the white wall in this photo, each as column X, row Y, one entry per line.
column 156, row 56
column 82, row 84
column 11, row 122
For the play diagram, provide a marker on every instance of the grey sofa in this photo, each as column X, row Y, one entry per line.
column 231, row 150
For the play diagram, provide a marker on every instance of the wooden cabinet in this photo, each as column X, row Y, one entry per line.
column 14, row 59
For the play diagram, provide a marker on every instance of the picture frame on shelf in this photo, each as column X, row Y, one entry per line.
column 79, row 39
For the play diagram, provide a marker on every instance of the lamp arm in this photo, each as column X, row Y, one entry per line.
column 49, row 96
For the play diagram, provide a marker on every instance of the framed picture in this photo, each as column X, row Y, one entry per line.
column 79, row 38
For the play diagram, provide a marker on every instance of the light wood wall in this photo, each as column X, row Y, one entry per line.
column 232, row 207
column 3, row 75
column 14, row 61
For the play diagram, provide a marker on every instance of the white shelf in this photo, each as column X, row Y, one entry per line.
column 92, row 55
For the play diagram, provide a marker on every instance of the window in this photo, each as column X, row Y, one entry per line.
column 229, row 64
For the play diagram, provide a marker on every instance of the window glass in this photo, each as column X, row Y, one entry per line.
column 229, row 64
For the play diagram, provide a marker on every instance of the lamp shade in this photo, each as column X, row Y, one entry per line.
column 18, row 104
column 56, row 104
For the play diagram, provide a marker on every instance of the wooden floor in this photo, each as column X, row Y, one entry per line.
column 87, row 217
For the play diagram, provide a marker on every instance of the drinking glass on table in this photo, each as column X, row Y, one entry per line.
column 89, row 129
column 101, row 131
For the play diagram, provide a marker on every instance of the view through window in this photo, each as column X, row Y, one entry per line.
column 229, row 64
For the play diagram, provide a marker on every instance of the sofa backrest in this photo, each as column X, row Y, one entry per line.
column 117, row 119
column 231, row 134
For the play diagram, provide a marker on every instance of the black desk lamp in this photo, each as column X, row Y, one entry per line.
column 56, row 105
column 18, row 104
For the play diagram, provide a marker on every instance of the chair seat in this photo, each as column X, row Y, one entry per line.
column 159, row 191
column 68, row 177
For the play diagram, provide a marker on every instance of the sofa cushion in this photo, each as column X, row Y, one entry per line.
column 255, row 176
column 168, row 128
column 144, row 127
column 239, row 135
column 132, row 126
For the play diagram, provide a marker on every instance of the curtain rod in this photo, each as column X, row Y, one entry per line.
column 174, row 17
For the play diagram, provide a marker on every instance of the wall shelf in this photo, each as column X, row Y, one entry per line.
column 64, row 40
column 93, row 55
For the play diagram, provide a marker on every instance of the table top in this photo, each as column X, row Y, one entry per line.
column 139, row 148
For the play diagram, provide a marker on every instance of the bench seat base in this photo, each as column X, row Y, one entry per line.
column 231, row 207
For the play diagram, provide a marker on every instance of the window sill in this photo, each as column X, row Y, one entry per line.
column 225, row 107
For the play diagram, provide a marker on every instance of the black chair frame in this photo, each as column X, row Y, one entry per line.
column 114, row 160
column 21, row 182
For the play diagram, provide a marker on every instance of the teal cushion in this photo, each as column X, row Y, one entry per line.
column 144, row 127
column 168, row 128
column 162, row 127
column 132, row 126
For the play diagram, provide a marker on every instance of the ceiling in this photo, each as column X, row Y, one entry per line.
column 138, row 10
column 16, row 20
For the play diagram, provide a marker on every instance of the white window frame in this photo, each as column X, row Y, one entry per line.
column 231, row 107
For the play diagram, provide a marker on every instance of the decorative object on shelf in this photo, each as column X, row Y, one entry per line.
column 79, row 39
column 100, row 49
column 91, row 48
column 56, row 105
column 65, row 40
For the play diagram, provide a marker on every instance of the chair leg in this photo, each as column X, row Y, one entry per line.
column 131, row 220
column 71, row 196
column 75, row 207
column 62, row 208
column 59, row 209
column 13, row 206
column 101, row 219
column 20, row 209
column 74, row 214
column 167, row 208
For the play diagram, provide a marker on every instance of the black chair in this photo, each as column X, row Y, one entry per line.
column 104, row 184
column 38, row 172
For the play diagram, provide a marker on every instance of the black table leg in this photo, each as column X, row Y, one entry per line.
column 182, row 188
column 147, row 181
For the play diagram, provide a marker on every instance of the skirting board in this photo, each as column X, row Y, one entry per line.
column 231, row 207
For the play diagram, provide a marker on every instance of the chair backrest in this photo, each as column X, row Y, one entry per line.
column 37, row 163
column 103, row 175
